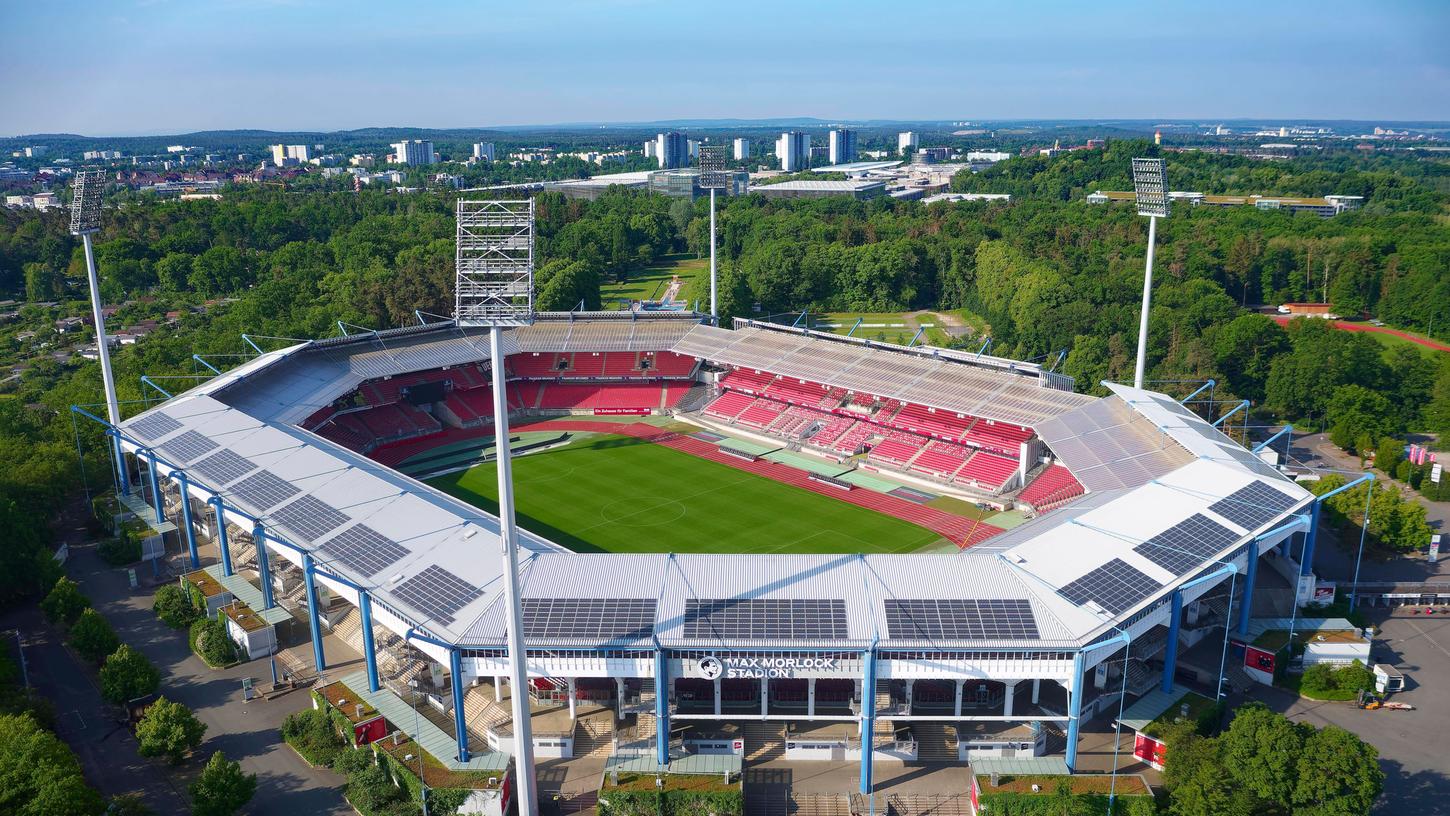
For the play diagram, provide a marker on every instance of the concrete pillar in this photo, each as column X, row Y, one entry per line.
column 1246, row 608
column 718, row 685
column 573, row 698
column 1074, row 710
column 314, row 615
column 1170, row 653
column 460, row 723
column 1306, row 558
column 619, row 689
column 662, row 709
column 957, row 705
column 811, row 698
column 497, row 689
column 1036, row 689
column 221, row 536
column 1007, row 699
column 370, row 649
column 190, row 532
column 764, row 697
column 910, row 693
column 264, row 566
column 868, row 719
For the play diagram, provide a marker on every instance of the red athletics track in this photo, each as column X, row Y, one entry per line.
column 963, row 531
column 1365, row 327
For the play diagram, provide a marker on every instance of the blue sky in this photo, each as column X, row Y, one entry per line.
column 165, row 66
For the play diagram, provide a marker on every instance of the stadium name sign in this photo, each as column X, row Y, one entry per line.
column 712, row 667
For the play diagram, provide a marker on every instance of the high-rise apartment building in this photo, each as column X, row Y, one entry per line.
column 742, row 149
column 793, row 148
column 672, row 150
column 483, row 151
column 905, row 140
column 287, row 155
column 413, row 152
column 843, row 146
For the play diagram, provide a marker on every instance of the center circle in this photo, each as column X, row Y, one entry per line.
column 643, row 511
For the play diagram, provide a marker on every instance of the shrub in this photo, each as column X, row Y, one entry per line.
column 120, row 551
column 169, row 729
column 1317, row 680
column 65, row 603
column 173, row 606
column 93, row 637
column 127, row 674
column 1353, row 678
column 129, row 804
column 222, row 788
column 311, row 734
column 210, row 642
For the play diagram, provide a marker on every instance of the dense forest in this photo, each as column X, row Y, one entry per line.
column 1046, row 273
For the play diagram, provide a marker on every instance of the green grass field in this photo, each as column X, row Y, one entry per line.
column 650, row 283
column 610, row 493
column 897, row 327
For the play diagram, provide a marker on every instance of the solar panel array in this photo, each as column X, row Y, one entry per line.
column 589, row 618
column 1116, row 586
column 311, row 518
column 223, row 467
column 1187, row 544
column 766, row 618
column 188, row 447
column 960, row 619
column 1253, row 505
column 437, row 593
column 154, row 426
column 363, row 550
column 264, row 490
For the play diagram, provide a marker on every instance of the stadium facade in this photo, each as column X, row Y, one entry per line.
column 1031, row 631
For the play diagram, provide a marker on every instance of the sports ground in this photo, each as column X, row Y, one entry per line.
column 619, row 492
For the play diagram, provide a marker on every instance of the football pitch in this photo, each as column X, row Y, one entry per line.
column 607, row 493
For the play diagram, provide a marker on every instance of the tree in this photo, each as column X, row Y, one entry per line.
column 129, row 804
column 65, row 603
column 93, row 637
column 1260, row 749
column 1338, row 775
column 222, row 788
column 173, row 606
column 1245, row 348
column 1354, row 411
column 40, row 776
column 1388, row 454
column 127, row 674
column 169, row 729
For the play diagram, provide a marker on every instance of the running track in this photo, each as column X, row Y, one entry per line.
column 963, row 531
column 1365, row 327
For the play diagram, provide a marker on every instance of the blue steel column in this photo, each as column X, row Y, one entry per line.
column 155, row 486
column 125, row 477
column 1074, row 711
column 1306, row 560
column 868, row 720
column 182, row 484
column 662, row 708
column 314, row 620
column 460, row 723
column 221, row 535
column 264, row 566
column 1170, row 654
column 370, row 651
column 1249, row 573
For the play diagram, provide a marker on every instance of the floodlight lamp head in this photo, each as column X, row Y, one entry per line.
column 1150, row 186
column 712, row 167
column 494, row 268
column 85, row 203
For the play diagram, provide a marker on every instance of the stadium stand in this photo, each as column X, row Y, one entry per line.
column 1053, row 486
column 987, row 470
column 669, row 364
column 751, row 382
column 898, row 449
column 941, row 459
column 852, row 440
column 729, row 405
column 761, row 413
column 831, row 430
column 1000, row 437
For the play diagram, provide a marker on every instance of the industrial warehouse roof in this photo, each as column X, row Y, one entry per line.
column 436, row 562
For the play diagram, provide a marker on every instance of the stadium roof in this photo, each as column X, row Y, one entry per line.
column 435, row 562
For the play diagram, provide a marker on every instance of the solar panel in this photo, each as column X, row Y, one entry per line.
column 1116, row 586
column 626, row 619
column 310, row 517
column 765, row 618
column 188, row 447
column 364, row 550
column 264, row 490
column 1253, row 505
column 437, row 593
column 154, row 426
column 223, row 467
column 1187, row 544
column 960, row 619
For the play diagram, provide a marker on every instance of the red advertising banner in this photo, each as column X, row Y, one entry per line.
column 976, row 805
column 1259, row 659
column 371, row 731
column 1149, row 750
column 621, row 412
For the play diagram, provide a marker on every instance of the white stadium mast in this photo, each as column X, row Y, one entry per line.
column 495, row 288
column 1150, row 186
column 85, row 221
column 713, row 177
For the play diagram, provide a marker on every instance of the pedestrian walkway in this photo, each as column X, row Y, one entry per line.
column 244, row 591
column 434, row 740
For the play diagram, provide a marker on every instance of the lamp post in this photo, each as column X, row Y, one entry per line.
column 713, row 177
column 1150, row 188
column 85, row 221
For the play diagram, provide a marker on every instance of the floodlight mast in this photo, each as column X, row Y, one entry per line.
column 495, row 288
column 1150, row 187
column 85, row 220
column 713, row 177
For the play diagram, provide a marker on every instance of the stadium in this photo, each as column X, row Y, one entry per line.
column 731, row 536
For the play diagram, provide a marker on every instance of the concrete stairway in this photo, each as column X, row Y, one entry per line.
column 767, row 798
column 484, row 713
column 956, row 804
column 764, row 741
column 820, row 804
column 594, row 734
column 936, row 742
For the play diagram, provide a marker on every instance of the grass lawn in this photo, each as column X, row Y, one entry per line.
column 650, row 283
column 896, row 327
column 611, row 493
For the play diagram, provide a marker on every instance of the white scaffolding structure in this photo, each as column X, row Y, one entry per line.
column 85, row 220
column 713, row 177
column 1150, row 186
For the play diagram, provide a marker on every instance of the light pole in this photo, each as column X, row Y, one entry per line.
column 713, row 177
column 1150, row 188
column 85, row 220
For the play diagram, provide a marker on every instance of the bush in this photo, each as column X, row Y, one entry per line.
column 210, row 642
column 1354, row 678
column 42, row 776
column 169, row 729
column 369, row 789
column 311, row 734
column 129, row 804
column 65, row 603
column 93, row 637
column 121, row 550
column 127, row 674
column 222, row 788
column 173, row 606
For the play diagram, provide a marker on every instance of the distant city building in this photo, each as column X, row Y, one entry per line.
column 842, row 146
column 742, row 149
column 933, row 155
column 1096, row 144
column 483, row 151
column 289, row 155
column 905, row 141
column 793, row 148
column 414, row 152
column 859, row 189
column 1326, row 206
column 820, row 154
column 694, row 148
column 176, row 148
column 649, row 149
column 987, row 156
column 35, row 151
column 362, row 160
column 100, row 155
column 685, row 183
column 672, row 150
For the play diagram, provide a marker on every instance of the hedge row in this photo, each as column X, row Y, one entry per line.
column 672, row 803
column 1083, row 804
